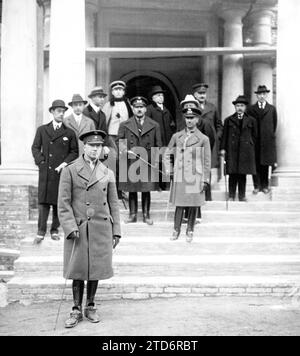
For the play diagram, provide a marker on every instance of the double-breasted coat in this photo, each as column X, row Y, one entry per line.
column 135, row 175
column 239, row 144
column 50, row 149
column 192, row 166
column 165, row 121
column 88, row 203
column 266, row 154
column 86, row 125
column 98, row 118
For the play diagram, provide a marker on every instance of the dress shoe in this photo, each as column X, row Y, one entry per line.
column 266, row 191
column 74, row 319
column 91, row 314
column 189, row 236
column 147, row 220
column 231, row 199
column 38, row 240
column 184, row 220
column 55, row 237
column 255, row 191
column 243, row 200
column 175, row 235
column 132, row 219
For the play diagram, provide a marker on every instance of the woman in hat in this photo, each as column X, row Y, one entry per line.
column 238, row 146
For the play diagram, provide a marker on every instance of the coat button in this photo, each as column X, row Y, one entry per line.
column 105, row 219
column 89, row 218
column 51, row 143
column 50, row 155
column 104, row 189
column 88, row 204
column 50, row 167
column 104, row 204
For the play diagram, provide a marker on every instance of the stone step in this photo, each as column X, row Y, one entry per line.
column 233, row 229
column 163, row 246
column 32, row 290
column 172, row 265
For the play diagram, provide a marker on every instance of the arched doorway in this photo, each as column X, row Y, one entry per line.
column 140, row 83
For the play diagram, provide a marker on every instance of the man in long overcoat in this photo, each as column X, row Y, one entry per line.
column 54, row 146
column 238, row 146
column 89, row 213
column 266, row 156
column 158, row 112
column 77, row 121
column 191, row 174
column 139, row 143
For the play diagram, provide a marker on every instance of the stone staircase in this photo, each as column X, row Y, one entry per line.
column 252, row 249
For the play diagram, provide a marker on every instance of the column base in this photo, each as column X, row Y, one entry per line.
column 287, row 176
column 18, row 176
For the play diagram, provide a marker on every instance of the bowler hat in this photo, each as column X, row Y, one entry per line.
column 200, row 86
column 189, row 99
column 262, row 89
column 118, row 84
column 96, row 136
column 77, row 98
column 58, row 104
column 97, row 91
column 191, row 112
column 139, row 100
column 156, row 90
column 241, row 99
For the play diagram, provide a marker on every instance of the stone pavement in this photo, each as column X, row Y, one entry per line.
column 163, row 317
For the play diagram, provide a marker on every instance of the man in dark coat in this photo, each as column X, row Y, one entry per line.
column 89, row 214
column 209, row 113
column 54, row 146
column 158, row 112
column 94, row 109
column 238, row 146
column 266, row 118
column 139, row 143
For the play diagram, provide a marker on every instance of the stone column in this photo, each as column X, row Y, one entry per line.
column 18, row 91
column 67, row 49
column 262, row 68
column 288, row 79
column 47, row 19
column 91, row 13
column 233, row 75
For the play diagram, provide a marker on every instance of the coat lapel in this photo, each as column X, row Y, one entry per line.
column 72, row 123
column 50, row 130
column 207, row 109
column 132, row 126
column 60, row 132
column 82, row 170
column 99, row 173
column 83, row 125
column 148, row 126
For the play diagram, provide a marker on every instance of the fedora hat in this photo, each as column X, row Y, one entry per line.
column 77, row 98
column 96, row 136
column 262, row 89
column 241, row 99
column 58, row 104
column 200, row 87
column 189, row 99
column 157, row 89
column 97, row 91
column 191, row 112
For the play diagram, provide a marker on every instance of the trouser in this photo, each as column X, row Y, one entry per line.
column 240, row 181
column 78, row 289
column 44, row 210
column 199, row 213
column 261, row 179
column 192, row 214
column 146, row 203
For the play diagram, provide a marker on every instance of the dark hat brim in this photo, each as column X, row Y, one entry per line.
column 157, row 92
column 59, row 106
column 240, row 102
column 79, row 101
column 101, row 136
column 262, row 91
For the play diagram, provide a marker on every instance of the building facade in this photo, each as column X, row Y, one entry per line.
column 53, row 49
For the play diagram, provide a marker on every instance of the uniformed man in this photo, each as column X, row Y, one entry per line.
column 238, row 146
column 192, row 157
column 54, row 146
column 89, row 214
column 139, row 137
column 266, row 155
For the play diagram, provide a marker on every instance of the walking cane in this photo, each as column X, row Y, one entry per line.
column 226, row 189
column 67, row 277
column 168, row 205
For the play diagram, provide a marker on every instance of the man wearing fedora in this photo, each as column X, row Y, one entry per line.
column 158, row 112
column 94, row 109
column 238, row 147
column 139, row 137
column 77, row 121
column 54, row 146
column 89, row 214
column 266, row 155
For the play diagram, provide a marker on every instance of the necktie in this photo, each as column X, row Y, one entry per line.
column 140, row 126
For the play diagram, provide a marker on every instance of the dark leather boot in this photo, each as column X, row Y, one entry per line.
column 133, row 207
column 146, row 201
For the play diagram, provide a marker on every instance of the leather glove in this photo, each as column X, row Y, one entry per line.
column 205, row 187
column 116, row 241
column 73, row 235
column 61, row 167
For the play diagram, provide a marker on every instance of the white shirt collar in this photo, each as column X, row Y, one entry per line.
column 96, row 108
column 56, row 124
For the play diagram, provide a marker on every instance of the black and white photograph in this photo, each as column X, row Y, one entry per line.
column 149, row 170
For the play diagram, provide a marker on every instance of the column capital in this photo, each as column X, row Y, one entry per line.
column 261, row 14
column 232, row 12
